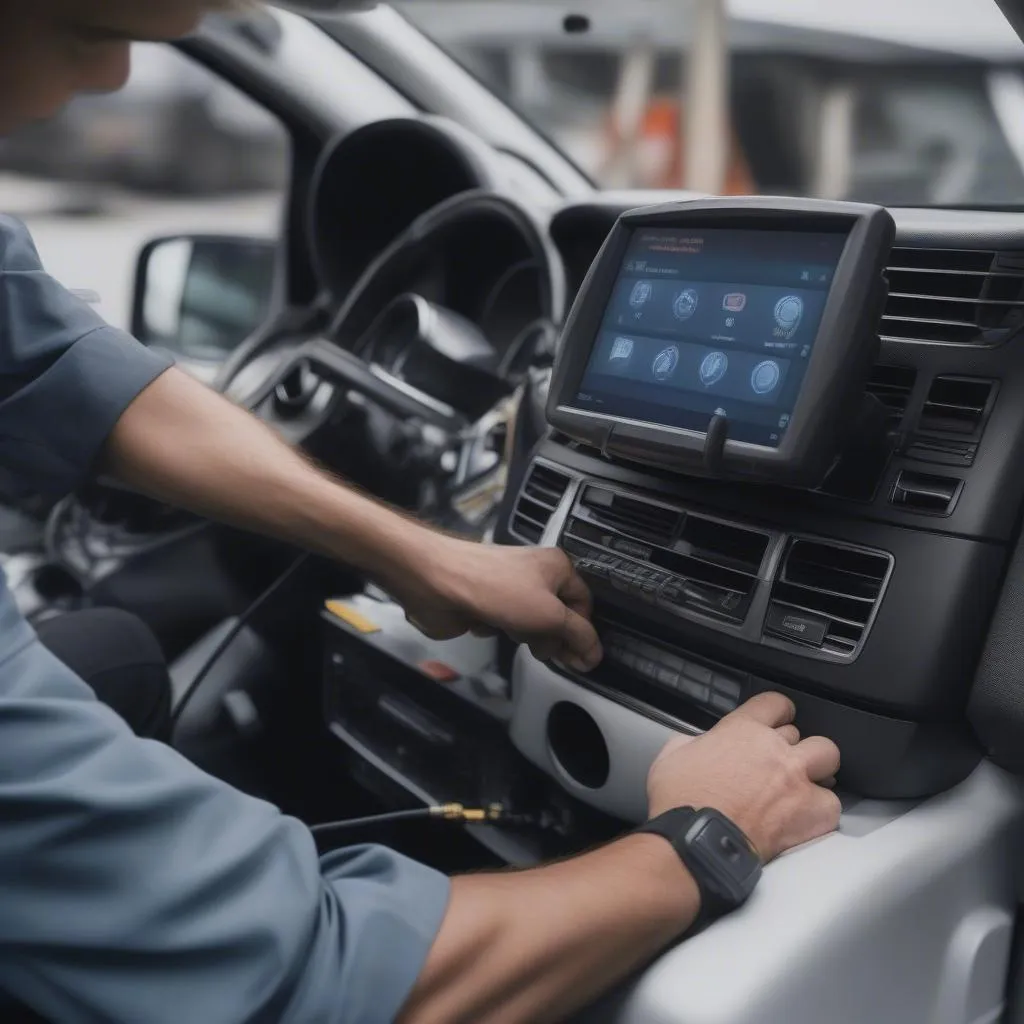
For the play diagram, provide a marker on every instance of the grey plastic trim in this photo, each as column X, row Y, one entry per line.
column 910, row 923
column 905, row 916
column 633, row 740
column 244, row 664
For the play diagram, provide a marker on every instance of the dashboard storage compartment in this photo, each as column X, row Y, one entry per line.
column 424, row 722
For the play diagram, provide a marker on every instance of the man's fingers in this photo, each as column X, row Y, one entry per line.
column 820, row 757
column 438, row 627
column 771, row 709
column 790, row 733
column 576, row 594
column 581, row 646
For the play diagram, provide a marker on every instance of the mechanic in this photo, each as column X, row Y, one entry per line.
column 135, row 888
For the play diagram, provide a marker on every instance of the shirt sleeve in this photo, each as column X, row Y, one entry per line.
column 66, row 376
column 135, row 888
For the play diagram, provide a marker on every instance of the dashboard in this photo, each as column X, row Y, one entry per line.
column 866, row 596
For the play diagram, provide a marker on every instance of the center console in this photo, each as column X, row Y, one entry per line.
column 767, row 485
column 716, row 449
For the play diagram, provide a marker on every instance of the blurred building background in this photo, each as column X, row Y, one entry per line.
column 895, row 101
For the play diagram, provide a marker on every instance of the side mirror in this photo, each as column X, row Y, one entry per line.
column 200, row 296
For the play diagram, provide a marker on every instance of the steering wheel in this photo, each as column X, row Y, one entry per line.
column 369, row 346
column 394, row 348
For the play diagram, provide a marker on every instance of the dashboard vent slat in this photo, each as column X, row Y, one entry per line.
column 956, row 405
column 542, row 493
column 826, row 596
column 953, row 296
column 925, row 493
column 636, row 518
column 724, row 544
column 691, row 562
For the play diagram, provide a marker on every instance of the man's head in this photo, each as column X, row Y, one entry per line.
column 50, row 50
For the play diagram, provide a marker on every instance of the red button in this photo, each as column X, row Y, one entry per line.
column 438, row 671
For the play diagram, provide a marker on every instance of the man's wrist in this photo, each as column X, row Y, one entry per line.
column 673, row 886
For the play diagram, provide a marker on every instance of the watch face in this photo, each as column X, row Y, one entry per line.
column 731, row 865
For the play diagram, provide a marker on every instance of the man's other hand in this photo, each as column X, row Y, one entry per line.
column 532, row 594
column 754, row 768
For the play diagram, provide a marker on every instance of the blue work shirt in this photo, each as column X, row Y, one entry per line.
column 133, row 887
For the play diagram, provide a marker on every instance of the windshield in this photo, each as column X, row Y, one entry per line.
column 891, row 101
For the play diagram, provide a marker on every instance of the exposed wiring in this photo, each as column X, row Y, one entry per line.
column 232, row 634
column 455, row 813
column 78, row 542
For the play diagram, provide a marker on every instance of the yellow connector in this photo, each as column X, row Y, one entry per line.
column 450, row 812
column 468, row 815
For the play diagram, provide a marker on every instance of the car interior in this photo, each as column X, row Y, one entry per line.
column 465, row 327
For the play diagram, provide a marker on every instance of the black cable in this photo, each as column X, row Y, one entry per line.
column 374, row 819
column 232, row 634
column 454, row 813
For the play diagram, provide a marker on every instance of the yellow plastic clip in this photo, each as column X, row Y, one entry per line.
column 359, row 622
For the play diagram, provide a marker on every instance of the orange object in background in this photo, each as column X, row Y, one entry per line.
column 661, row 150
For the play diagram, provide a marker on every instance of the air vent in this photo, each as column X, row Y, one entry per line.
column 734, row 547
column 892, row 386
column 926, row 493
column 683, row 561
column 825, row 597
column 954, row 296
column 630, row 516
column 540, row 497
column 956, row 405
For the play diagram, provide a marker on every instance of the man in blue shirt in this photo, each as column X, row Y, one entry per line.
column 133, row 887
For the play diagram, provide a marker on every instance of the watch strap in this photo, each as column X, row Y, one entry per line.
column 673, row 826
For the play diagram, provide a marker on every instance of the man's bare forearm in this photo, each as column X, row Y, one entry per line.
column 535, row 946
column 182, row 443
column 186, row 445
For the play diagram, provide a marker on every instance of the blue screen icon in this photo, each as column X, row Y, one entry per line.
column 665, row 363
column 713, row 368
column 765, row 378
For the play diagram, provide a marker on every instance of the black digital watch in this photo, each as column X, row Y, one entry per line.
column 722, row 860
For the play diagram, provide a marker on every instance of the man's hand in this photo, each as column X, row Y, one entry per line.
column 530, row 947
column 226, row 464
column 534, row 595
column 753, row 768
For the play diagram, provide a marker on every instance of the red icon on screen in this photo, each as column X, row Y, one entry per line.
column 734, row 302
